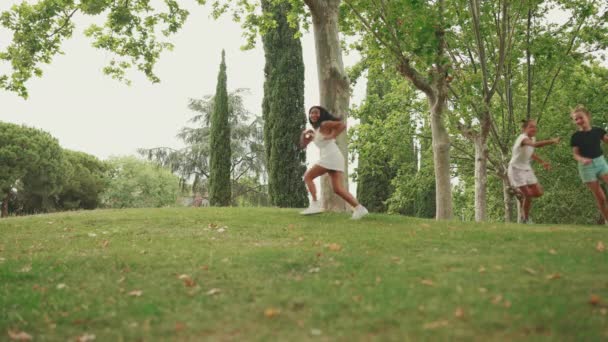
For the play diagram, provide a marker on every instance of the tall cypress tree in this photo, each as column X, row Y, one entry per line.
column 283, row 110
column 219, row 161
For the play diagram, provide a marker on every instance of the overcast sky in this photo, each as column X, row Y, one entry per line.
column 90, row 112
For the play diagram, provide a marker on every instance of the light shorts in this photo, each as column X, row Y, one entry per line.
column 519, row 177
column 593, row 171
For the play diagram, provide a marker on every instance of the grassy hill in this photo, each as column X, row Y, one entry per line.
column 268, row 274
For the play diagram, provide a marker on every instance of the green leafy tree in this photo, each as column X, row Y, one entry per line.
column 283, row 109
column 135, row 183
column 86, row 179
column 130, row 32
column 384, row 141
column 31, row 160
column 220, row 153
column 191, row 163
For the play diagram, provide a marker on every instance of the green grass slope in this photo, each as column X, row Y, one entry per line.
column 271, row 274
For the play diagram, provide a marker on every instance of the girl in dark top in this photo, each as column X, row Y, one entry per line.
column 587, row 150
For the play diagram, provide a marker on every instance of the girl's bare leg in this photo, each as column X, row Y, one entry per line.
column 336, row 183
column 312, row 173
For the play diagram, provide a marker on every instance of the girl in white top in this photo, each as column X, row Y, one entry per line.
column 520, row 171
column 331, row 161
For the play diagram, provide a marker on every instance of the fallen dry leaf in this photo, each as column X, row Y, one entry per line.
column 212, row 225
column 213, row 292
column 334, row 247
column 272, row 312
column 554, row 276
column 436, row 324
column 314, row 270
column 315, row 332
column 19, row 335
column 92, row 235
column 135, row 293
column 179, row 326
column 426, row 225
column 357, row 298
column 600, row 246
column 105, row 243
column 188, row 282
column 459, row 313
column 594, row 299
column 427, row 282
column 378, row 280
column 61, row 286
column 604, row 311
column 482, row 269
column 483, row 290
column 497, row 299
column 25, row 269
column 552, row 251
column 507, row 304
column 85, row 338
column 529, row 270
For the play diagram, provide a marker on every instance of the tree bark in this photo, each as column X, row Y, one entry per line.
column 507, row 198
column 441, row 156
column 481, row 177
column 5, row 205
column 334, row 87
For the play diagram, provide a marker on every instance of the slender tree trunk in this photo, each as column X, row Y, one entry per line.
column 441, row 157
column 334, row 87
column 529, row 65
column 5, row 205
column 481, row 177
column 507, row 198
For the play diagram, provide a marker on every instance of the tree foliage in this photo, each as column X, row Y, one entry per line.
column 130, row 32
column 31, row 160
column 283, row 110
column 191, row 163
column 135, row 183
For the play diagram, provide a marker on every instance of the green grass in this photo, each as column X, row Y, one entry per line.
column 393, row 278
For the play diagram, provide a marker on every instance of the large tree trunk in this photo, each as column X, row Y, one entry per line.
column 334, row 87
column 5, row 205
column 441, row 156
column 481, row 177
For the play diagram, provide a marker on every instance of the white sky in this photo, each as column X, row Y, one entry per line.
column 90, row 112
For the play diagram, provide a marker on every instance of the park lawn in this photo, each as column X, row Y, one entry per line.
column 271, row 274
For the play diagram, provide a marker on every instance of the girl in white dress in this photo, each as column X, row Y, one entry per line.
column 331, row 161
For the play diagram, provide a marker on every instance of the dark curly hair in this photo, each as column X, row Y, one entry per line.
column 325, row 116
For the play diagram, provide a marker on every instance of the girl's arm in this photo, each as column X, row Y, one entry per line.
column 605, row 138
column 577, row 156
column 545, row 164
column 306, row 137
column 529, row 142
column 334, row 128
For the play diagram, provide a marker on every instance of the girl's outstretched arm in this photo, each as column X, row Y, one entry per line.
column 545, row 164
column 541, row 143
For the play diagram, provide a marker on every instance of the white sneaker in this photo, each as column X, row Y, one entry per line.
column 313, row 208
column 359, row 212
